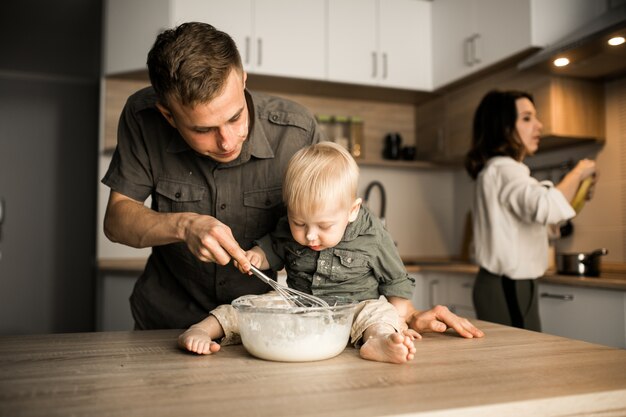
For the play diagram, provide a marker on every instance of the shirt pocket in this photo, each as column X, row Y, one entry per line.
column 351, row 265
column 299, row 260
column 175, row 197
column 263, row 208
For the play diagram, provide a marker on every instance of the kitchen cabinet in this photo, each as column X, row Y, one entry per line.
column 589, row 314
column 113, row 306
column 288, row 38
column 274, row 37
column 452, row 289
column 380, row 42
column 471, row 35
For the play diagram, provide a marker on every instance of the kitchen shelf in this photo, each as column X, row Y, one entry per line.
column 400, row 164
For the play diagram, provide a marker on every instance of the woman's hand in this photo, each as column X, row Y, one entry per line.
column 439, row 319
column 570, row 183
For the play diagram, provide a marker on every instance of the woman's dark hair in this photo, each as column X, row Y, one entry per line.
column 493, row 133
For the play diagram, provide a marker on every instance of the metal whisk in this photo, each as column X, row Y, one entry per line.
column 290, row 295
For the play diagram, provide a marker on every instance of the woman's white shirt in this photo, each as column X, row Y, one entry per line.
column 512, row 211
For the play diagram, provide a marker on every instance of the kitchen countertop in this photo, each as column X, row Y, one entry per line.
column 614, row 278
column 142, row 373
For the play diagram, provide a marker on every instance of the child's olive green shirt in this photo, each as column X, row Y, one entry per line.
column 364, row 265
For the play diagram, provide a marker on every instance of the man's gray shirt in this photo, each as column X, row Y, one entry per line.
column 152, row 159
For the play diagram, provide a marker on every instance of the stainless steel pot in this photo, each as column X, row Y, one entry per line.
column 581, row 264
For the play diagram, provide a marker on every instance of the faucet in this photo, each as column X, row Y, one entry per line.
column 368, row 190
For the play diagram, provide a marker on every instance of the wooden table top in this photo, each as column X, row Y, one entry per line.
column 143, row 373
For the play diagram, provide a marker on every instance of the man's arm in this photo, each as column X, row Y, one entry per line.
column 129, row 222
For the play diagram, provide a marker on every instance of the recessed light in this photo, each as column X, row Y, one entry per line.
column 618, row 40
column 561, row 62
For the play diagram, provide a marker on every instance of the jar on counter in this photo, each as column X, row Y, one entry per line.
column 356, row 137
column 341, row 134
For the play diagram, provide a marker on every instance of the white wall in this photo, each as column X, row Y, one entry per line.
column 420, row 207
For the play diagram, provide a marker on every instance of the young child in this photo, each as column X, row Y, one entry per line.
column 330, row 246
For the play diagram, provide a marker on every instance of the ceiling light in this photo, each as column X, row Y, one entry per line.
column 561, row 62
column 618, row 40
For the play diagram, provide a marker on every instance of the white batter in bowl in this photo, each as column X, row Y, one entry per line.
column 273, row 330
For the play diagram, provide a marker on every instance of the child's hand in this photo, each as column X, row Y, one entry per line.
column 256, row 257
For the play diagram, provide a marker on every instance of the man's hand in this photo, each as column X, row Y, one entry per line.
column 212, row 241
column 256, row 256
column 439, row 319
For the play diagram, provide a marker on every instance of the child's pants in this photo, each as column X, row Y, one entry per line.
column 367, row 313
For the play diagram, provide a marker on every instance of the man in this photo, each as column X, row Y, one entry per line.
column 212, row 156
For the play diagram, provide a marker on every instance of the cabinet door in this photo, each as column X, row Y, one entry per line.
column 429, row 290
column 589, row 314
column 290, row 38
column 405, row 49
column 234, row 19
column 469, row 35
column 452, row 28
column 460, row 288
column 352, row 41
column 130, row 28
column 501, row 29
column 435, row 289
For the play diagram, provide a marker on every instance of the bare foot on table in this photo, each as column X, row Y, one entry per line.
column 197, row 341
column 393, row 348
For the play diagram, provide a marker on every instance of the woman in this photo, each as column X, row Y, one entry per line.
column 512, row 210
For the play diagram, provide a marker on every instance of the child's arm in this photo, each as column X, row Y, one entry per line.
column 404, row 307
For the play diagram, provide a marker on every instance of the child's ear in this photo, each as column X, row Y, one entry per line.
column 354, row 210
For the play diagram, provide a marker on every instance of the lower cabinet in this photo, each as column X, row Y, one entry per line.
column 113, row 306
column 452, row 289
column 590, row 314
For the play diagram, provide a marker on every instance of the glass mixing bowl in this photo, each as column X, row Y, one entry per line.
column 272, row 329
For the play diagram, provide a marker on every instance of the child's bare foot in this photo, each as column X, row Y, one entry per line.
column 198, row 341
column 392, row 347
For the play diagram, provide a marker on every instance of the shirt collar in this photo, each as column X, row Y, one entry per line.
column 358, row 227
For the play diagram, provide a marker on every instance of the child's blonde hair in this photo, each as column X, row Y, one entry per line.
column 318, row 175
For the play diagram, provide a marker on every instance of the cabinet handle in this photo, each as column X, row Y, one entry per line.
column 247, row 54
column 467, row 285
column 467, row 51
column 476, row 49
column 260, row 51
column 374, row 65
column 384, row 65
column 431, row 292
column 563, row 297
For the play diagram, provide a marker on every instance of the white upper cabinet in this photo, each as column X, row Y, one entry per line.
column 380, row 42
column 274, row 37
column 130, row 28
column 470, row 35
column 290, row 38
